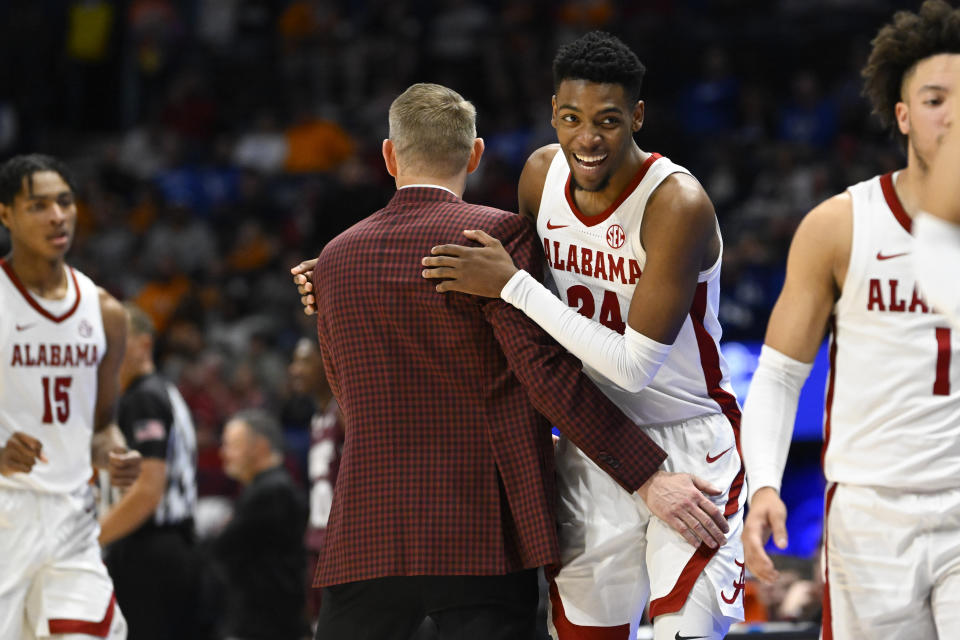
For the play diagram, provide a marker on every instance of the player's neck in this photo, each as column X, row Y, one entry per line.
column 43, row 277
column 909, row 184
column 593, row 203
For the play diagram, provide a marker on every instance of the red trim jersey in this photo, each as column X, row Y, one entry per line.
column 892, row 414
column 50, row 351
column 596, row 263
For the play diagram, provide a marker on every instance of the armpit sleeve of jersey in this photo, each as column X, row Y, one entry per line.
column 145, row 421
column 630, row 360
column 768, row 417
column 936, row 259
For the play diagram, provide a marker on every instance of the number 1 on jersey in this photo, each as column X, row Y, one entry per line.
column 60, row 398
column 941, row 385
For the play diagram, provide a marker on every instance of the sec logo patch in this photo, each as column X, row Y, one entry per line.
column 615, row 236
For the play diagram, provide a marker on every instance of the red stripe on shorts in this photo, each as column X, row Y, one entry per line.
column 96, row 629
column 567, row 630
column 674, row 601
column 827, row 623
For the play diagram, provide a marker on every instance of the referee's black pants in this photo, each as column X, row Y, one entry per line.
column 462, row 607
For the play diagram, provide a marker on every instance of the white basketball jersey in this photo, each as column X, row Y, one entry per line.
column 596, row 263
column 892, row 414
column 50, row 351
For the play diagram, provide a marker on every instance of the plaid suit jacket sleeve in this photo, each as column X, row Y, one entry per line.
column 555, row 382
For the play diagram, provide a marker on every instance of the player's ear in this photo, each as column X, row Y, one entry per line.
column 638, row 110
column 475, row 153
column 902, row 113
column 5, row 212
column 553, row 114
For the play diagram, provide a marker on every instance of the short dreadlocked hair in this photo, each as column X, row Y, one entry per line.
column 899, row 46
column 599, row 57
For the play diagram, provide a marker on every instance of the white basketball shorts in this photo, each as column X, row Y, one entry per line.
column 892, row 564
column 52, row 578
column 616, row 556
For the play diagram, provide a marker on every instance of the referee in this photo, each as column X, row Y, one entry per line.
column 150, row 533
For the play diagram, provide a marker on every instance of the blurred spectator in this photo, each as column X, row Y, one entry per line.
column 264, row 147
column 260, row 551
column 326, row 445
column 315, row 144
column 149, row 532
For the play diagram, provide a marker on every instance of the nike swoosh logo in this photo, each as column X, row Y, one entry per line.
column 556, row 226
column 680, row 637
column 880, row 255
column 712, row 459
column 24, row 327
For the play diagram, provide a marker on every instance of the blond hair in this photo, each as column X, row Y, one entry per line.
column 432, row 129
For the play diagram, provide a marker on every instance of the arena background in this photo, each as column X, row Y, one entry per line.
column 219, row 142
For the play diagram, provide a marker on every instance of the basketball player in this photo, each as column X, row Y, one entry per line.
column 937, row 228
column 892, row 416
column 633, row 244
column 61, row 344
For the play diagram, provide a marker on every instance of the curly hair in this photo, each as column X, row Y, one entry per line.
column 899, row 46
column 599, row 57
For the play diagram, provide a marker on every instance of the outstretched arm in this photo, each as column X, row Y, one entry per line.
column 816, row 265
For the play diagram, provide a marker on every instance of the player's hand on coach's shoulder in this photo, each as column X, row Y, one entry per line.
column 124, row 467
column 767, row 515
column 20, row 453
column 301, row 278
column 678, row 499
column 480, row 271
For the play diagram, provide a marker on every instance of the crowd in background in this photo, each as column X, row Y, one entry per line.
column 219, row 142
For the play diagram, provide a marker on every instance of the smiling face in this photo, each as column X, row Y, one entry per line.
column 923, row 114
column 42, row 216
column 595, row 123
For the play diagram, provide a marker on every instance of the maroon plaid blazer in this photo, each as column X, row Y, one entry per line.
column 448, row 468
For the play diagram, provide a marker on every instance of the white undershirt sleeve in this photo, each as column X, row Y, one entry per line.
column 630, row 361
column 768, row 416
column 936, row 260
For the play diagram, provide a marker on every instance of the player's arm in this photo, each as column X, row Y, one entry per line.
column 936, row 257
column 19, row 453
column 679, row 233
column 816, row 266
column 108, row 447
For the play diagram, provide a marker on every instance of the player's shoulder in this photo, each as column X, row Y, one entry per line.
column 680, row 199
column 540, row 159
column 825, row 234
column 828, row 218
column 110, row 308
column 682, row 190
